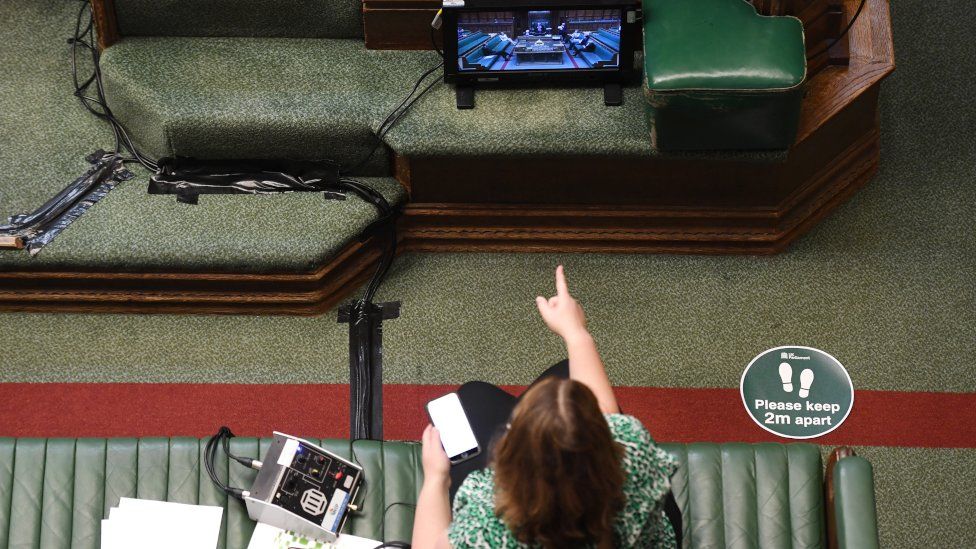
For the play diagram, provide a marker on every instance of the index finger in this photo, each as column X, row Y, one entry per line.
column 562, row 289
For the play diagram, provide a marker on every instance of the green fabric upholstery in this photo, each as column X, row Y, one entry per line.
column 53, row 493
column 130, row 230
column 538, row 121
column 258, row 97
column 717, row 75
column 314, row 98
column 281, row 18
column 857, row 519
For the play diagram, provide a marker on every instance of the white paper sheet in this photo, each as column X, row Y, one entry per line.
column 159, row 524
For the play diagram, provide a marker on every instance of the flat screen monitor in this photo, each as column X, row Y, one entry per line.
column 539, row 42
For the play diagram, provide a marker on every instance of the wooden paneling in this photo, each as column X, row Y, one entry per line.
column 405, row 24
column 765, row 219
column 399, row 24
column 103, row 12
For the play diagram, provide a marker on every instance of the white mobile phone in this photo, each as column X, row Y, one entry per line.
column 447, row 414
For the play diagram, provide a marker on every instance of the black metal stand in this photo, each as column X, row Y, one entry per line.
column 613, row 95
column 366, row 365
column 464, row 96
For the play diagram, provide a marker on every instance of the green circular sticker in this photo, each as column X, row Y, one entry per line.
column 797, row 392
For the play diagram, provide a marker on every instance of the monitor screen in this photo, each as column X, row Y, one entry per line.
column 538, row 40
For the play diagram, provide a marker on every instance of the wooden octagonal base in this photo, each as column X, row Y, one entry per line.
column 584, row 204
column 665, row 204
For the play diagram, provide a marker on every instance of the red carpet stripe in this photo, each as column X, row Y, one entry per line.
column 879, row 418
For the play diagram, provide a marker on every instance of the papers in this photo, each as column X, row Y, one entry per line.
column 151, row 524
column 266, row 536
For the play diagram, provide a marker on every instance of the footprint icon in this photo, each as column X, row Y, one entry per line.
column 806, row 380
column 786, row 374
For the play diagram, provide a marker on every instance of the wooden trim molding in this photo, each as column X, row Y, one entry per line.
column 309, row 293
column 106, row 25
column 836, row 455
column 622, row 228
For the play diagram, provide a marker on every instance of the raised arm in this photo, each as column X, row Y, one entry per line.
column 564, row 316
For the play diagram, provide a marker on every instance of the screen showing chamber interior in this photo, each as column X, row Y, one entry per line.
column 525, row 40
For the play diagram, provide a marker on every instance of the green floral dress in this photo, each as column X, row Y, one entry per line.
column 641, row 523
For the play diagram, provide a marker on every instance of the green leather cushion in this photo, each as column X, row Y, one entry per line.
column 720, row 44
column 54, row 493
column 857, row 519
column 750, row 495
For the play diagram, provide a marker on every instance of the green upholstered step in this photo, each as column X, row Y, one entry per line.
column 130, row 230
column 283, row 18
column 524, row 121
column 45, row 134
column 258, row 97
column 731, row 495
column 540, row 121
column 315, row 98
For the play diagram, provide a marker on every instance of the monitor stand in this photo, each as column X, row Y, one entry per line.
column 464, row 96
column 613, row 95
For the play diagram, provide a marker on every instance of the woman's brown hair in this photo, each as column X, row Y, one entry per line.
column 558, row 472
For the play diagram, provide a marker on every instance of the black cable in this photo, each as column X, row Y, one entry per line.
column 365, row 490
column 401, row 109
column 395, row 503
column 395, row 115
column 433, row 40
column 361, row 309
column 210, row 457
column 842, row 33
column 84, row 38
column 387, row 215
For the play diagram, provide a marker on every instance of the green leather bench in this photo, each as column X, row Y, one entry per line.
column 718, row 76
column 54, row 492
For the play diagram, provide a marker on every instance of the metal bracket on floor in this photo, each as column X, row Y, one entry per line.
column 366, row 365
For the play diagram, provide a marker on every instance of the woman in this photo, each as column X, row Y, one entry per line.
column 566, row 469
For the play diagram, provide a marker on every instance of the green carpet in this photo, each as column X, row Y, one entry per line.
column 885, row 284
column 46, row 134
column 924, row 496
column 131, row 231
